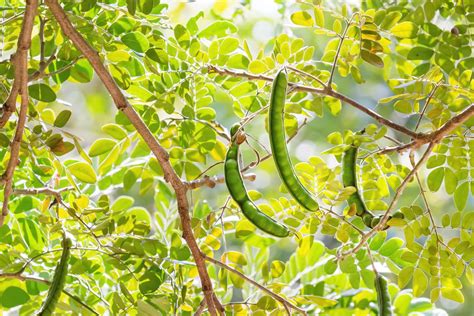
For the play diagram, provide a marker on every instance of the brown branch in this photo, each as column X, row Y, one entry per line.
column 435, row 136
column 45, row 191
column 160, row 153
column 338, row 51
column 23, row 278
column 279, row 298
column 20, row 61
column 211, row 182
column 201, row 308
column 20, row 86
column 380, row 226
column 325, row 91
column 42, row 68
column 425, row 107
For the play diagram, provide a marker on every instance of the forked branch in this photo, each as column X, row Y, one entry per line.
column 160, row 153
column 19, row 87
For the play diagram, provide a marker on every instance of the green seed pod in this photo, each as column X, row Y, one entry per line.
column 59, row 280
column 238, row 192
column 349, row 178
column 280, row 153
column 383, row 297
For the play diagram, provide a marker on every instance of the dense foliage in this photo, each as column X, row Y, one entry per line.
column 189, row 78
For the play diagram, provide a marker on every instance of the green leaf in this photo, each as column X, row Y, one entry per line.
column 235, row 257
column 302, row 18
column 228, row 45
column 62, row 118
column 460, row 196
column 435, row 178
column 277, row 268
column 146, row 6
column 371, row 58
column 258, row 67
column 403, row 106
column 420, row 282
column 82, row 71
column 101, row 146
column 41, row 92
column 32, row 234
column 452, row 294
column 420, row 305
column 151, row 280
column 319, row 16
column 206, row 113
column 450, row 180
column 218, row 29
column 390, row 246
column 420, row 53
column 115, row 131
column 405, row 276
column 136, row 41
column 405, row 30
column 14, row 296
column 377, row 241
column 390, row 20
column 83, row 172
column 132, row 6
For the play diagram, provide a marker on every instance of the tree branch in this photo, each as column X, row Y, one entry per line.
column 20, row 86
column 23, row 278
column 211, row 182
column 45, row 191
column 20, row 60
column 338, row 51
column 276, row 296
column 160, row 153
column 325, row 91
column 435, row 136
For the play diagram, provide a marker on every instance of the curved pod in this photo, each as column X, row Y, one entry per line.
column 238, row 192
column 280, row 153
column 383, row 297
column 349, row 178
column 59, row 280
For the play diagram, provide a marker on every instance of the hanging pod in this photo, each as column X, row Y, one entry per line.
column 349, row 178
column 383, row 297
column 238, row 192
column 59, row 280
column 280, row 153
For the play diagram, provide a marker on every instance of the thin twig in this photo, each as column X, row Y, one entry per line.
column 20, row 86
column 341, row 41
column 304, row 73
column 201, row 308
column 324, row 91
column 44, row 281
column 160, row 153
column 211, row 182
column 425, row 107
column 276, row 296
column 45, row 191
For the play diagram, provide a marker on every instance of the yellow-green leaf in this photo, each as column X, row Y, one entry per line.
column 302, row 18
column 405, row 30
column 420, row 282
column 83, row 172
